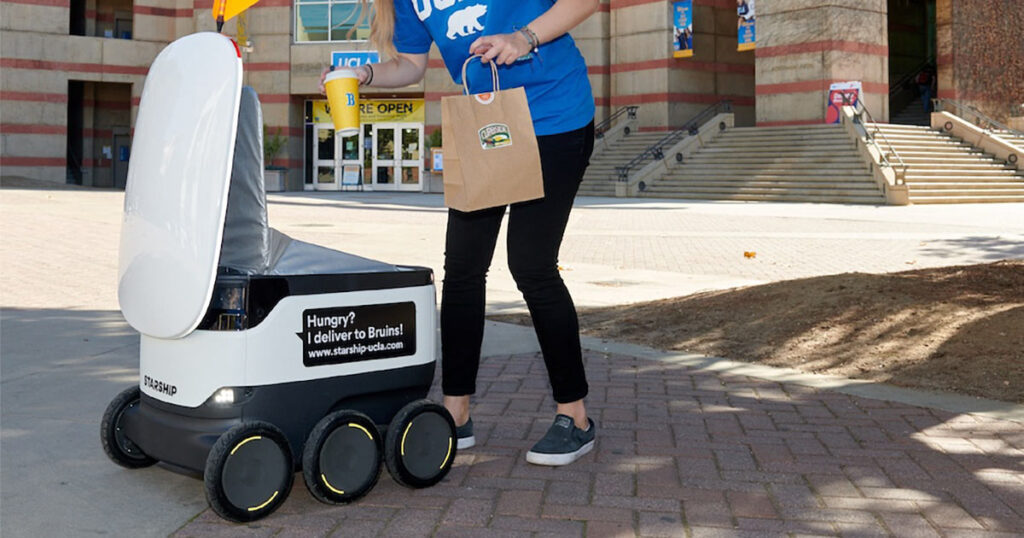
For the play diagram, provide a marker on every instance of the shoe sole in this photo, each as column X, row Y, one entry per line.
column 466, row 442
column 556, row 460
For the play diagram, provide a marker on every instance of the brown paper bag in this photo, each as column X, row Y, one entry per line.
column 490, row 150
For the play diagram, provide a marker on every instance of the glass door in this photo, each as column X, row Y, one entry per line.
column 397, row 156
column 384, row 157
column 325, row 168
column 351, row 162
column 410, row 163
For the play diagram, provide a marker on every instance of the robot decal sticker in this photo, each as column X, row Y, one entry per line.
column 358, row 333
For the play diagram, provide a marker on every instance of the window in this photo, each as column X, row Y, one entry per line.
column 330, row 20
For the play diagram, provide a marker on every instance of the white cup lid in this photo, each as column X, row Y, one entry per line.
column 339, row 73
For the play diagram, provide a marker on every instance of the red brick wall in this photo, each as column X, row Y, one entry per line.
column 988, row 55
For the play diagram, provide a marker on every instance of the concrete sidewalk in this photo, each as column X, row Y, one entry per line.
column 687, row 447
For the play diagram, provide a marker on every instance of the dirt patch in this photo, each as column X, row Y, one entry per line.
column 957, row 329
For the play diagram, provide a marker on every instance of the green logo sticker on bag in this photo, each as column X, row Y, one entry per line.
column 495, row 135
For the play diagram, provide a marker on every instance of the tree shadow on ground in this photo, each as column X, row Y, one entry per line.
column 985, row 248
column 918, row 328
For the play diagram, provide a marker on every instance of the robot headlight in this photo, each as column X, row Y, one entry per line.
column 231, row 395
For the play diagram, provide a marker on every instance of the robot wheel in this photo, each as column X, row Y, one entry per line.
column 342, row 456
column 249, row 472
column 420, row 444
column 119, row 448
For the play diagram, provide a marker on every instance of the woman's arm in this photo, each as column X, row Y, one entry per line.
column 562, row 17
column 403, row 70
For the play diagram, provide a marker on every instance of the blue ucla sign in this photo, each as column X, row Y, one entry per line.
column 354, row 58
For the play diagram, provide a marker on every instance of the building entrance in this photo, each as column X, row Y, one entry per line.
column 912, row 37
column 386, row 155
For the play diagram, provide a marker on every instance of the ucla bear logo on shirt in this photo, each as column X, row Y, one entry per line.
column 462, row 23
column 466, row 21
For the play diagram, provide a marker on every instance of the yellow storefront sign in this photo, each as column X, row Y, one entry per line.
column 378, row 111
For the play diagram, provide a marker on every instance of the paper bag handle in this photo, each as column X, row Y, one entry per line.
column 494, row 74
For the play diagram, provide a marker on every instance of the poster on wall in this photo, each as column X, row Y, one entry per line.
column 841, row 94
column 682, row 36
column 745, row 26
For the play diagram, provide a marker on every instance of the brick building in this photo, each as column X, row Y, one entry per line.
column 73, row 70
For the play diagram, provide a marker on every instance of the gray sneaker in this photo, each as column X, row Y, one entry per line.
column 465, row 436
column 563, row 444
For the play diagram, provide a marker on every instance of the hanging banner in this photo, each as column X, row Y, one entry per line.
column 682, row 37
column 745, row 25
column 378, row 111
column 841, row 94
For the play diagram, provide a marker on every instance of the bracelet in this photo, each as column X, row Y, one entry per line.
column 369, row 80
column 531, row 38
column 534, row 39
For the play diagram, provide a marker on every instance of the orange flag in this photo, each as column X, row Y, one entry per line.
column 225, row 10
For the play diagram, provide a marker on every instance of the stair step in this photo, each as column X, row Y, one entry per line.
column 965, row 185
column 744, row 144
column 787, row 168
column 927, row 193
column 745, row 183
column 820, row 199
column 967, row 199
column 913, row 176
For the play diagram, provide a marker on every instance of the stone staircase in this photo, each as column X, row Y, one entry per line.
column 811, row 163
column 942, row 169
column 1013, row 138
column 601, row 177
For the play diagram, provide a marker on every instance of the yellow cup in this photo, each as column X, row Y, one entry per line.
column 342, row 87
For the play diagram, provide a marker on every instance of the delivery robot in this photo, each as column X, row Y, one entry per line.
column 260, row 354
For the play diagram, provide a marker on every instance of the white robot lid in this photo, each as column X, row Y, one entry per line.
column 178, row 179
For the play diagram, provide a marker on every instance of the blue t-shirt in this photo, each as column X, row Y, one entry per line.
column 555, row 80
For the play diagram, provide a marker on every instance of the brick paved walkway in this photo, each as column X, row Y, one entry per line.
column 681, row 452
column 690, row 453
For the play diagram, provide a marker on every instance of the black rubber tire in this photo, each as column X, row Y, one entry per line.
column 118, row 447
column 342, row 457
column 427, row 431
column 249, row 472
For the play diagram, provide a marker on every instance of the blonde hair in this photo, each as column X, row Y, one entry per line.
column 382, row 25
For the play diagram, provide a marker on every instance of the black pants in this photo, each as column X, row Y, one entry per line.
column 535, row 230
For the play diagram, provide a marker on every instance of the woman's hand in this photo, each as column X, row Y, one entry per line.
column 362, row 73
column 504, row 49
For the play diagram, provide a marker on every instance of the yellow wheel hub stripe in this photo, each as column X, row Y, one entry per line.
column 272, row 497
column 354, row 425
column 329, row 486
column 239, row 445
column 448, row 455
column 407, row 427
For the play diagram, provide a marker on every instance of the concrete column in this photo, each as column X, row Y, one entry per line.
column 716, row 71
column 803, row 46
column 671, row 91
column 640, row 51
column 591, row 38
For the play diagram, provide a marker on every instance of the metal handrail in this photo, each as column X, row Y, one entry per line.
column 980, row 117
column 860, row 112
column 601, row 128
column 902, row 82
column 656, row 150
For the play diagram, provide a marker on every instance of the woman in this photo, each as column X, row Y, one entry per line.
column 529, row 42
